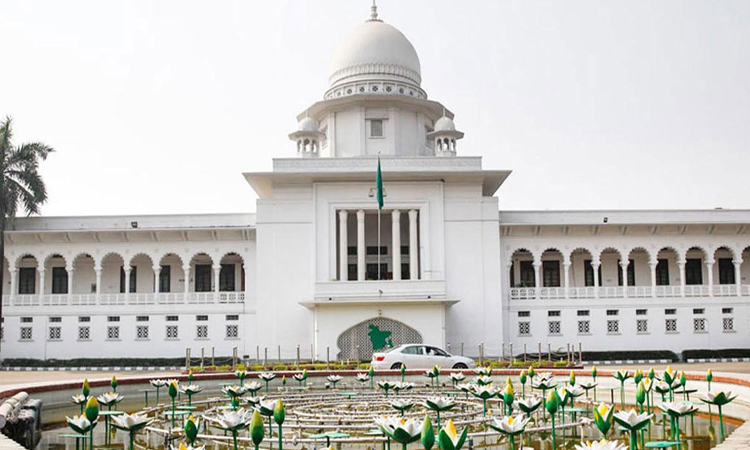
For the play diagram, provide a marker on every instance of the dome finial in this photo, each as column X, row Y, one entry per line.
column 374, row 12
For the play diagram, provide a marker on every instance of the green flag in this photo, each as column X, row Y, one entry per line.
column 379, row 184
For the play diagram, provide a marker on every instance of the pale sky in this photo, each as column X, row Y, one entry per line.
column 157, row 107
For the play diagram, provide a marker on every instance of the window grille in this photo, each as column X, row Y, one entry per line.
column 613, row 327
column 26, row 334
column 699, row 325
column 141, row 332
column 201, row 332
column 613, row 312
column 524, row 328
column 233, row 332
column 553, row 313
column 55, row 319
column 55, row 333
column 113, row 333
column 172, row 332
column 699, row 310
column 641, row 326
column 113, row 318
column 173, row 318
column 84, row 333
column 27, row 319
column 554, row 327
column 727, row 324
column 84, row 319
column 232, row 317
column 670, row 312
column 583, row 312
column 727, row 310
column 584, row 327
column 141, row 318
column 201, row 318
column 641, row 312
column 670, row 325
column 524, row 313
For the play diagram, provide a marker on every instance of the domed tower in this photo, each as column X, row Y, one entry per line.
column 444, row 137
column 374, row 104
column 308, row 137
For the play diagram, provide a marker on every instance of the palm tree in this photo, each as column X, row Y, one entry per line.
column 21, row 185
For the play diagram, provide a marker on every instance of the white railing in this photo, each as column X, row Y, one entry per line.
column 551, row 293
column 26, row 300
column 668, row 291
column 200, row 298
column 231, row 297
column 582, row 292
column 696, row 290
column 639, row 291
column 725, row 290
column 136, row 298
column 611, row 292
column 170, row 298
column 522, row 293
column 55, row 299
column 745, row 290
column 380, row 290
column 111, row 299
column 83, row 299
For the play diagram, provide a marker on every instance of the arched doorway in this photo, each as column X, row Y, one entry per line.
column 360, row 341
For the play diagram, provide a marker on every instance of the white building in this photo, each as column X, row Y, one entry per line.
column 302, row 270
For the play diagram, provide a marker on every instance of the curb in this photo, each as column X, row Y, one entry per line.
column 88, row 369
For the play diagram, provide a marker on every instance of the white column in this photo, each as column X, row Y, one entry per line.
column 343, row 246
column 652, row 266
column 681, row 267
column 537, row 278
column 157, row 272
column 595, row 268
column 13, row 282
column 624, row 269
column 98, row 284
column 413, row 245
column 396, row 232
column 566, row 277
column 127, row 281
column 41, row 283
column 361, row 245
column 737, row 280
column 70, row 282
column 710, row 270
column 217, row 273
column 186, row 270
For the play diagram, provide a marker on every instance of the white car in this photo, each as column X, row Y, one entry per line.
column 418, row 356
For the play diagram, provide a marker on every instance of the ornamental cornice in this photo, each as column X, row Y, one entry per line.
column 374, row 69
column 425, row 163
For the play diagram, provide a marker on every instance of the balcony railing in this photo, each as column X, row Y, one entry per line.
column 558, row 293
column 116, row 299
column 380, row 290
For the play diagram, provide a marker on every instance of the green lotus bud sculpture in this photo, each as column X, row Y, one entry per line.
column 86, row 388
column 551, row 406
column 279, row 413
column 572, row 378
column 92, row 413
column 522, row 377
column 113, row 383
column 191, row 429
column 257, row 429
column 173, row 395
column 403, row 371
column 709, row 378
column 428, row 434
column 603, row 418
column 449, row 439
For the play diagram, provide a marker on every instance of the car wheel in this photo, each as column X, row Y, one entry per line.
column 397, row 366
column 460, row 366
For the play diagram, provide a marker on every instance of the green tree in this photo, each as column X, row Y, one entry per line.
column 21, row 185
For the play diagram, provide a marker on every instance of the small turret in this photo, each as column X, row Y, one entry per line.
column 308, row 138
column 445, row 137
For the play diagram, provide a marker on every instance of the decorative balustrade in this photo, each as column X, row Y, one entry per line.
column 607, row 292
column 118, row 299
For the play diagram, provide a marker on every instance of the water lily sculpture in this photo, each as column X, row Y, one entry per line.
column 333, row 379
column 300, row 377
column 232, row 421
column 186, row 447
column 232, row 391
column 603, row 418
column 449, row 439
column 79, row 399
column 83, row 426
column 402, row 405
column 587, row 386
column 719, row 399
column 483, row 370
column 632, row 422
column 562, row 399
column 386, row 386
column 252, row 387
column 362, row 378
column 265, row 408
column 439, row 404
column 241, row 375
column 457, row 377
column 190, row 390
column 402, row 386
column 403, row 431
column 600, row 445
column 257, row 429
column 529, row 405
column 670, row 377
column 191, row 427
column 621, row 376
column 485, row 393
column 675, row 411
column 511, row 427
column 483, row 380
column 108, row 399
column 267, row 377
column 132, row 424
column 158, row 384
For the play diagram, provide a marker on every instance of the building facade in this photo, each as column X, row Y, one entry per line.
column 319, row 267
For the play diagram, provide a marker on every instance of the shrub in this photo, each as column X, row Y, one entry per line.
column 722, row 353
column 257, row 367
column 631, row 355
column 240, row 367
column 364, row 366
column 278, row 367
column 562, row 363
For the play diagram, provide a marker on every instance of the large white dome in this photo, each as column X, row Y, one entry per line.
column 375, row 51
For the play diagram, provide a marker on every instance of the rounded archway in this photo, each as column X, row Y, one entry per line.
column 360, row 341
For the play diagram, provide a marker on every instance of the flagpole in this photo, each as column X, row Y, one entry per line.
column 378, row 244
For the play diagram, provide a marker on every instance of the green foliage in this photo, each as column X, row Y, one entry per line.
column 721, row 353
column 280, row 367
column 637, row 354
column 240, row 367
column 563, row 363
